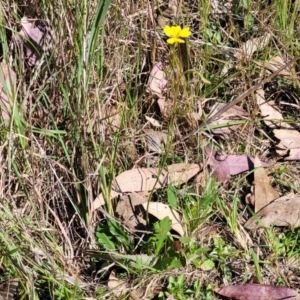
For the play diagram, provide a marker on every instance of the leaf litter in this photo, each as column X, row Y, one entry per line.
column 130, row 184
column 149, row 179
column 264, row 193
column 252, row 291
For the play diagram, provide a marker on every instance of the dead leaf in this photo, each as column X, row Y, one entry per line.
column 263, row 191
column 235, row 113
column 293, row 154
column 284, row 211
column 247, row 50
column 36, row 38
column 270, row 113
column 157, row 81
column 137, row 294
column 253, row 291
column 145, row 293
column 116, row 286
column 289, row 138
column 155, row 140
column 127, row 209
column 111, row 120
column 161, row 210
column 224, row 166
column 251, row 46
column 154, row 122
column 167, row 14
column 7, row 90
column 276, row 63
column 148, row 179
column 239, row 164
column 161, row 102
column 219, row 167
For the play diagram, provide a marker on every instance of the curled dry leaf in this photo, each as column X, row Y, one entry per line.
column 235, row 113
column 263, row 191
column 161, row 210
column 253, row 291
column 155, row 140
column 7, row 90
column 284, row 211
column 148, row 179
column 157, row 80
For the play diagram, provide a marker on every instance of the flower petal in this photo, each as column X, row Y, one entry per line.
column 176, row 31
column 174, row 40
column 168, row 30
column 185, row 32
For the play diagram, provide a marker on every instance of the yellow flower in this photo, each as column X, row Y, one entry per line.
column 176, row 33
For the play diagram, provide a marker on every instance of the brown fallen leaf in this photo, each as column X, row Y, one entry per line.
column 223, row 166
column 289, row 138
column 235, row 113
column 284, row 211
column 155, row 140
column 293, row 154
column 154, row 122
column 247, row 50
column 270, row 113
column 251, row 46
column 157, row 80
column 161, row 210
column 116, row 286
column 167, row 14
column 253, row 291
column 143, row 293
column 263, row 191
column 111, row 120
column 127, row 209
column 161, row 102
column 148, row 179
column 276, row 63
